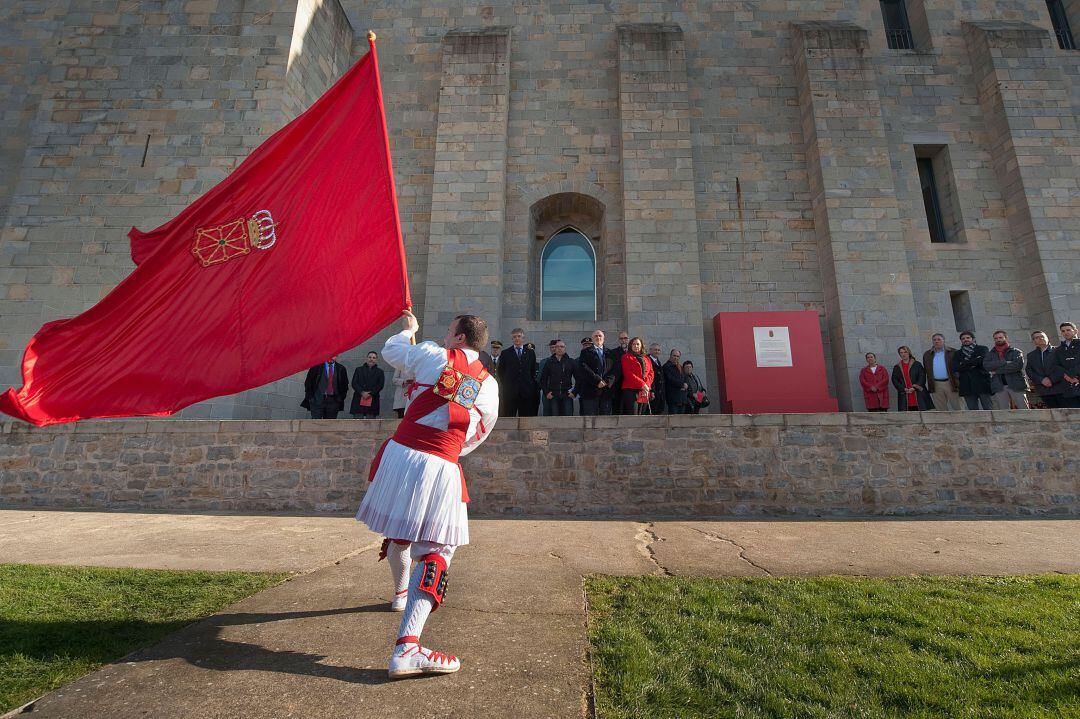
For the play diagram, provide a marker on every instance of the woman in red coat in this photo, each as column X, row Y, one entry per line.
column 637, row 377
column 875, row 385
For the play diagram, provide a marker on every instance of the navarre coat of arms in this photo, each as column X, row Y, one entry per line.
column 221, row 243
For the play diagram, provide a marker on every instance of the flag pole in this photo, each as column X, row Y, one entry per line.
column 390, row 170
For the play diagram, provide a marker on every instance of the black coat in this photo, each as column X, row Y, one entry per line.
column 659, row 398
column 1037, row 368
column 1067, row 358
column 673, row 384
column 589, row 373
column 315, row 378
column 616, row 359
column 517, row 377
column 1007, row 371
column 695, row 386
column 557, row 376
column 918, row 377
column 367, row 379
column 972, row 379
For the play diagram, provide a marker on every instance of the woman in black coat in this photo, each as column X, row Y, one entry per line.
column 909, row 379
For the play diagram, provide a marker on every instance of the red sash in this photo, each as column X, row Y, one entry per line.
column 447, row 443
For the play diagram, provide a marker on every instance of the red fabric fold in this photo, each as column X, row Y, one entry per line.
column 178, row 331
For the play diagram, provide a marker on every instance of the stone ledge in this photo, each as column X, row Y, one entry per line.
column 1010, row 34
column 686, row 421
column 824, row 35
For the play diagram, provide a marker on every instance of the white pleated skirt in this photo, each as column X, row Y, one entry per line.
column 416, row 496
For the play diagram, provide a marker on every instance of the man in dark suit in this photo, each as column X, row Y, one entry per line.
column 596, row 375
column 367, row 382
column 973, row 381
column 1067, row 358
column 656, row 405
column 616, row 356
column 675, row 385
column 1046, row 377
column 519, row 394
column 325, row 388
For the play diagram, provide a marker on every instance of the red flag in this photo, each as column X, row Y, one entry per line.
column 296, row 256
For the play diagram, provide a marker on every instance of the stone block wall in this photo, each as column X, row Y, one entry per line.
column 867, row 287
column 860, row 464
column 465, row 244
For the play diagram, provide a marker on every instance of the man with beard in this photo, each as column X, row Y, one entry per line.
column 367, row 382
column 1008, row 384
column 972, row 379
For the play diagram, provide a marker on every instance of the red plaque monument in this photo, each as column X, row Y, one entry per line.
column 771, row 362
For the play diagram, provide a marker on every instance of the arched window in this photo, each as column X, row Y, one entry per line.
column 568, row 278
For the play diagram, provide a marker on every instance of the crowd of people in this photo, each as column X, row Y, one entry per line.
column 625, row 379
column 975, row 376
column 633, row 379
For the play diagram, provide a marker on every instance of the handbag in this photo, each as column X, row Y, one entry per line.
column 643, row 395
column 701, row 398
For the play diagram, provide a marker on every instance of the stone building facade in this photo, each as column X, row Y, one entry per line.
column 717, row 156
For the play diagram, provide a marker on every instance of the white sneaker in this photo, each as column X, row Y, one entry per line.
column 400, row 600
column 409, row 660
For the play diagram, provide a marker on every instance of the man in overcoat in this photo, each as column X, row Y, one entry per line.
column 325, row 388
column 1008, row 383
column 367, row 382
column 596, row 376
column 519, row 393
column 973, row 381
column 1041, row 368
column 1067, row 357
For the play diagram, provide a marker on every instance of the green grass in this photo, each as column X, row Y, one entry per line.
column 59, row 623
column 955, row 648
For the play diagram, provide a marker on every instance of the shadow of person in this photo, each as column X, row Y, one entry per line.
column 200, row 644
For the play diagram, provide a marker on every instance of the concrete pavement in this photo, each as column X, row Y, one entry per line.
column 316, row 646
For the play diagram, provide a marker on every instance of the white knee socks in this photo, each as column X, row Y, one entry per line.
column 417, row 609
column 397, row 556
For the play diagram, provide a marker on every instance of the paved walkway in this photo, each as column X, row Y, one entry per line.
column 316, row 646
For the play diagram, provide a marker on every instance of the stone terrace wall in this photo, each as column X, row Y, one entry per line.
column 935, row 463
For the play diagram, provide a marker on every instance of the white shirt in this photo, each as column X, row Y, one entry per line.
column 425, row 361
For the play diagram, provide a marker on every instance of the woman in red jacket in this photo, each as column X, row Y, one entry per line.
column 875, row 385
column 637, row 377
